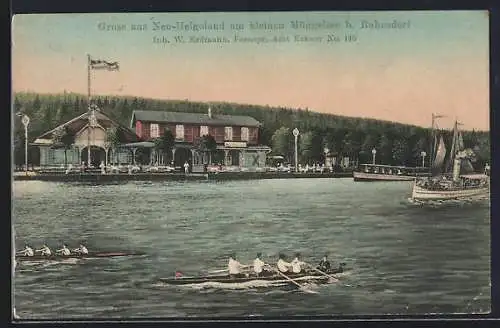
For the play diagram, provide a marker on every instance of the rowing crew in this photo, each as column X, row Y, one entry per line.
column 260, row 268
column 45, row 251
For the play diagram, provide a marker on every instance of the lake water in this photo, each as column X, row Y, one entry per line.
column 403, row 258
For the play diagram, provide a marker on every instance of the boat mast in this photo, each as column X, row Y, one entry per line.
column 89, row 100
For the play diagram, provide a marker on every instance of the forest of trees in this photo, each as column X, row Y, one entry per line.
column 396, row 144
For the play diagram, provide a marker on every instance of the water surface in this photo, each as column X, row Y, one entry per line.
column 405, row 258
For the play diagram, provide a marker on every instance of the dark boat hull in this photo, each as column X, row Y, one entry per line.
column 301, row 277
column 58, row 257
column 373, row 177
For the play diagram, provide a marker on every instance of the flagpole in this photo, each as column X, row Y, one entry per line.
column 89, row 108
column 88, row 79
column 94, row 64
column 433, row 136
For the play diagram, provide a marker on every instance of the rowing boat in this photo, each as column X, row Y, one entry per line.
column 307, row 276
column 56, row 257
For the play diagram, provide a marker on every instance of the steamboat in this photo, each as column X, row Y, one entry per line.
column 377, row 172
column 454, row 180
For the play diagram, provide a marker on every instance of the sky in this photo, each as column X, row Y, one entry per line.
column 438, row 62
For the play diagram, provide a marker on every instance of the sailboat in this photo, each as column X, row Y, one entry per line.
column 455, row 178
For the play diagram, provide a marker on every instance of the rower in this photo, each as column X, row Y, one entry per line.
column 234, row 267
column 81, row 250
column 296, row 264
column 64, row 251
column 324, row 265
column 283, row 265
column 259, row 267
column 45, row 250
column 28, row 251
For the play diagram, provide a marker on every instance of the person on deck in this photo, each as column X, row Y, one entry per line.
column 297, row 264
column 27, row 251
column 259, row 266
column 64, row 250
column 186, row 167
column 81, row 250
column 234, row 267
column 283, row 266
column 324, row 264
column 45, row 250
column 69, row 168
column 103, row 167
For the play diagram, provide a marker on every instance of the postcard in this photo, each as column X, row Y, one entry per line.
column 250, row 164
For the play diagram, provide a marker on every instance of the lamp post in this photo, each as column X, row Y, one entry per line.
column 423, row 154
column 296, row 135
column 374, row 152
column 326, row 151
column 26, row 121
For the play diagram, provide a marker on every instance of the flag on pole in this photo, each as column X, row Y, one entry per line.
column 103, row 64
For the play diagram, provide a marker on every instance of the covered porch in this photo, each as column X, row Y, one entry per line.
column 246, row 158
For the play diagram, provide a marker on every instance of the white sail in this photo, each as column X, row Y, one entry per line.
column 468, row 156
column 440, row 155
column 460, row 142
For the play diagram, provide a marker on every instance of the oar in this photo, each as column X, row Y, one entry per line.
column 326, row 275
column 218, row 271
column 225, row 270
column 303, row 288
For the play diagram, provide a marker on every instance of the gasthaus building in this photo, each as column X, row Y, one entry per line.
column 236, row 137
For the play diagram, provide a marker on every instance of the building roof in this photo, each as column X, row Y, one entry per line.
column 79, row 122
column 193, row 118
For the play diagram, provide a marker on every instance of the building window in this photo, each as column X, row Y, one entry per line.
column 203, row 130
column 244, row 134
column 154, row 130
column 228, row 133
column 179, row 132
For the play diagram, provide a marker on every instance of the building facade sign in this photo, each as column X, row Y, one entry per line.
column 235, row 144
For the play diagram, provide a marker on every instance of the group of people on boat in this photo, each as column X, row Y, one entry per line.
column 260, row 268
column 45, row 251
column 443, row 183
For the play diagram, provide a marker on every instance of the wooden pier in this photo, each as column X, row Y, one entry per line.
column 224, row 176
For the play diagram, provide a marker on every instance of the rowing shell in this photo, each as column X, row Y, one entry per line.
column 76, row 256
column 225, row 279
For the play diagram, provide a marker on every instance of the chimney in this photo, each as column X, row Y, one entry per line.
column 209, row 112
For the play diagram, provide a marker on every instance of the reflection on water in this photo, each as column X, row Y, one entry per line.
column 404, row 258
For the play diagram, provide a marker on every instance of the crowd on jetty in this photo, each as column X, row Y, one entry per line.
column 185, row 168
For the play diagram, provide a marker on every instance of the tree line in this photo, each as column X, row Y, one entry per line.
column 396, row 143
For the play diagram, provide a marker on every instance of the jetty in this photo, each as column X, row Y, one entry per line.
column 221, row 176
